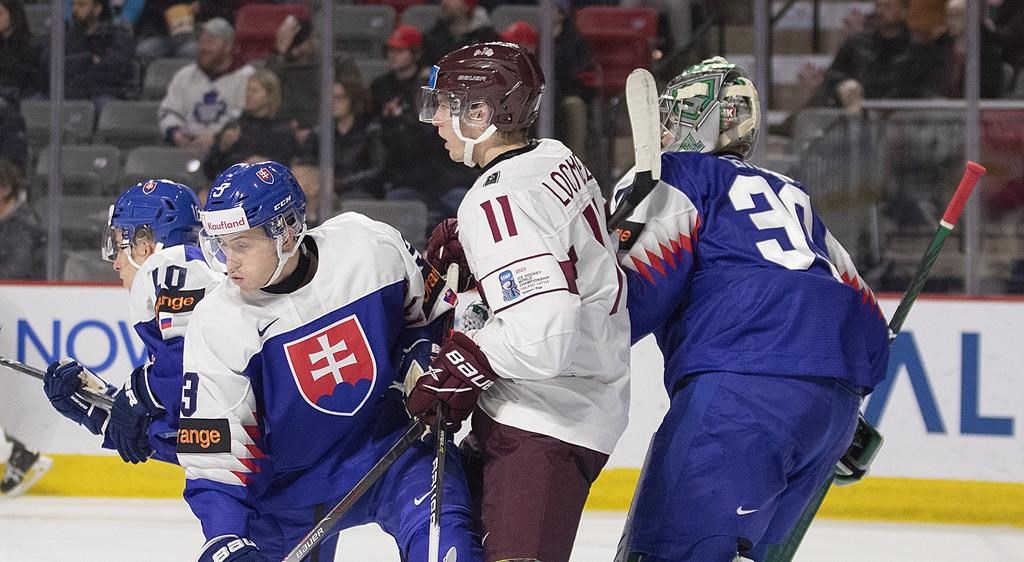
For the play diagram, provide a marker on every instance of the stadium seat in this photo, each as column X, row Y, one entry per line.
column 168, row 162
column 159, row 74
column 79, row 116
column 85, row 169
column 361, row 30
column 504, row 15
column 256, row 25
column 422, row 17
column 399, row 5
column 618, row 49
column 128, row 124
column 82, row 220
column 86, row 266
column 371, row 69
column 408, row 216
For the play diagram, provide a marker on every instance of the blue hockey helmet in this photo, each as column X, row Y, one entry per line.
column 164, row 211
column 247, row 196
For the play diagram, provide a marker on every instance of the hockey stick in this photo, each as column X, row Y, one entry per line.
column 645, row 122
column 441, row 438
column 87, row 393
column 866, row 438
column 417, row 430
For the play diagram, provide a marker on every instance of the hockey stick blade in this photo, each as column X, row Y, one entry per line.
column 786, row 550
column 88, row 394
column 323, row 529
column 645, row 123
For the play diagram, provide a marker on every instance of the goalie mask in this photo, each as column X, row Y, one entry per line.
column 487, row 86
column 711, row 107
column 246, row 196
column 162, row 211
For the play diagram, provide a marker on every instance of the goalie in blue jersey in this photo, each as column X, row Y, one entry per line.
column 770, row 337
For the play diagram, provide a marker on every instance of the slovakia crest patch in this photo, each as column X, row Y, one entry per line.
column 334, row 368
column 265, row 175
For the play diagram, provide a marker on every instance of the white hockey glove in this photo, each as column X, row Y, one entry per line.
column 474, row 317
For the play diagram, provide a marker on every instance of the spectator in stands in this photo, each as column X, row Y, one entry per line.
column 1008, row 23
column 13, row 147
column 19, row 57
column 462, row 23
column 882, row 62
column 206, row 95
column 418, row 166
column 164, row 28
column 99, row 55
column 258, row 133
column 22, row 253
column 307, row 173
column 359, row 156
column 951, row 50
column 296, row 62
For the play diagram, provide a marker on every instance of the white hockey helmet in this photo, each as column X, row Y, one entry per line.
column 711, row 107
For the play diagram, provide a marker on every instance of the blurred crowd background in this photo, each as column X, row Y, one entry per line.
column 865, row 106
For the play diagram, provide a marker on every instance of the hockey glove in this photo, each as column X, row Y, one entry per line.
column 61, row 384
column 231, row 548
column 458, row 375
column 474, row 317
column 133, row 411
column 416, row 359
column 444, row 249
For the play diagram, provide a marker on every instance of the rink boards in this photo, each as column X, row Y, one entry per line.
column 949, row 411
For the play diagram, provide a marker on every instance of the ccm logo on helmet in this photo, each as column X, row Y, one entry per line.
column 197, row 435
column 283, row 202
column 265, row 175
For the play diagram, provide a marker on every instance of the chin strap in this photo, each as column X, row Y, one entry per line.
column 282, row 257
column 128, row 254
column 467, row 153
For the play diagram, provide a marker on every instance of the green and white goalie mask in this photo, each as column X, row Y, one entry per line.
column 711, row 107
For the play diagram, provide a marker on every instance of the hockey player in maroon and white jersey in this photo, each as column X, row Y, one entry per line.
column 551, row 366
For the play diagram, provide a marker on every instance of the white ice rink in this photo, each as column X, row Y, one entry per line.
column 45, row 529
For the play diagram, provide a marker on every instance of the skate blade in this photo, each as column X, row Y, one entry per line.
column 38, row 469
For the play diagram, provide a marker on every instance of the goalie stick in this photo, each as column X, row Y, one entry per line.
column 866, row 439
column 417, row 431
column 645, row 122
column 92, row 395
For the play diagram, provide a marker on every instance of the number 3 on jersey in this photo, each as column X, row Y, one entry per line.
column 784, row 214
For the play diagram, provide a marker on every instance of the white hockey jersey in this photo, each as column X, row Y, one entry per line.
column 166, row 290
column 282, row 391
column 533, row 228
column 200, row 106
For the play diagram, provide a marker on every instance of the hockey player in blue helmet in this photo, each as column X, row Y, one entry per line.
column 151, row 238
column 770, row 336
column 296, row 361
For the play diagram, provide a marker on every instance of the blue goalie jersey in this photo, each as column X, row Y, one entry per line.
column 731, row 269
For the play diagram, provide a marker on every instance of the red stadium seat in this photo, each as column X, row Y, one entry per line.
column 398, row 5
column 256, row 24
column 620, row 39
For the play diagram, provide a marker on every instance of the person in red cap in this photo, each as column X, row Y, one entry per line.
column 462, row 23
column 522, row 34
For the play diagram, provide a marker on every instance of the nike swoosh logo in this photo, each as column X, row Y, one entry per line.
column 420, row 499
column 265, row 328
column 741, row 511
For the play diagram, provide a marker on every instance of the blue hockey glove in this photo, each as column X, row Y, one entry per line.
column 231, row 548
column 61, row 383
column 415, row 360
column 133, row 411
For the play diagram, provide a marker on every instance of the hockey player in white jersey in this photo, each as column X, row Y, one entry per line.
column 152, row 241
column 551, row 367
column 292, row 384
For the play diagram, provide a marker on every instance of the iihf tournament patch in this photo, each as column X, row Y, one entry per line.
column 493, row 178
column 199, row 435
column 628, row 233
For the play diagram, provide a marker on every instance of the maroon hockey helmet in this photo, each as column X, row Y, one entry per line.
column 504, row 76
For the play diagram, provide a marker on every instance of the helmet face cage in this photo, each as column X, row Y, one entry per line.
column 711, row 107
